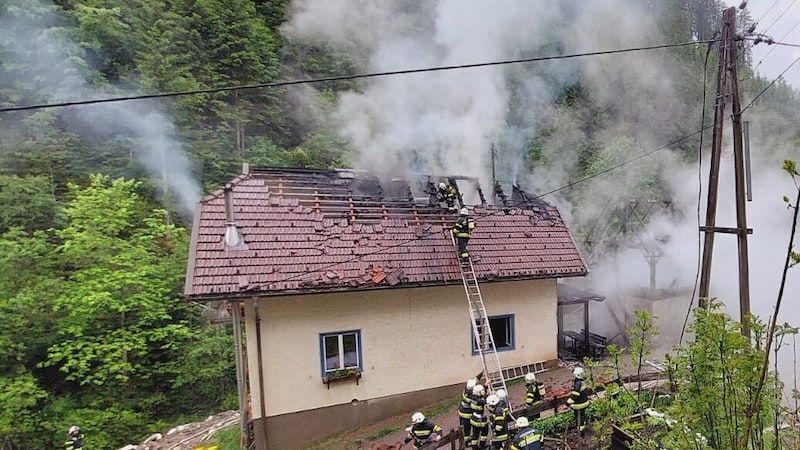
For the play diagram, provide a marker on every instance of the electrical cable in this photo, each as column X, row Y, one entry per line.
column 749, row 105
column 343, row 77
column 785, row 44
column 767, row 11
column 553, row 191
column 752, row 102
column 699, row 198
column 779, row 17
column 777, row 43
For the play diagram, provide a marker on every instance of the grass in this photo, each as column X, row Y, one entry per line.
column 226, row 438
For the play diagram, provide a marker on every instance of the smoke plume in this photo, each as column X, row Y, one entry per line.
column 445, row 122
column 48, row 63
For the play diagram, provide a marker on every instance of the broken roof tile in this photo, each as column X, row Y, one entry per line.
column 297, row 222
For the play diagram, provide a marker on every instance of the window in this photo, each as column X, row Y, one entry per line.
column 340, row 351
column 502, row 331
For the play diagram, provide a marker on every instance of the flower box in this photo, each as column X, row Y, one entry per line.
column 341, row 375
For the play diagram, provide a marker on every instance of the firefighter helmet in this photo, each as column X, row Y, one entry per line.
column 530, row 377
column 418, row 417
column 442, row 186
column 471, row 383
column 579, row 373
column 492, row 400
column 501, row 394
column 478, row 390
column 522, row 422
column 463, row 211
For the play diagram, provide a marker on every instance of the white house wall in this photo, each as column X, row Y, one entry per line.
column 412, row 339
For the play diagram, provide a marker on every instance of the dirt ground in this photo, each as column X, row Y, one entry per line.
column 389, row 434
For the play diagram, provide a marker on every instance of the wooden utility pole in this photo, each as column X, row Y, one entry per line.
column 727, row 69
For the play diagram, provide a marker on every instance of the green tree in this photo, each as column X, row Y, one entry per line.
column 117, row 302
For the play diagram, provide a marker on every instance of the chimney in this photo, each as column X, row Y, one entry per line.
column 233, row 238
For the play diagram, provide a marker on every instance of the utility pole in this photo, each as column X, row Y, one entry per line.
column 727, row 69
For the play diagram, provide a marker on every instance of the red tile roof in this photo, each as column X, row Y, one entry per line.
column 316, row 231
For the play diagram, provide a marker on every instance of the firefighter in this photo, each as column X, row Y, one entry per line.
column 422, row 431
column 74, row 439
column 498, row 416
column 527, row 438
column 533, row 397
column 579, row 398
column 502, row 398
column 447, row 193
column 465, row 410
column 479, row 421
column 463, row 227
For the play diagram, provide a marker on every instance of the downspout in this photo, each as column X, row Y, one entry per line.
column 260, row 365
column 236, row 314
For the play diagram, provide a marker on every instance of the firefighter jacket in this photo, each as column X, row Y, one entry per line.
column 464, row 225
column 499, row 420
column 465, row 408
column 448, row 194
column 479, row 418
column 534, row 393
column 74, row 442
column 421, row 432
column 579, row 397
column 527, row 439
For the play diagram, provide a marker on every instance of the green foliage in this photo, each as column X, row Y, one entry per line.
column 715, row 377
column 116, row 305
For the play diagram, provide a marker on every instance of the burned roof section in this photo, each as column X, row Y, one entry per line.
column 336, row 230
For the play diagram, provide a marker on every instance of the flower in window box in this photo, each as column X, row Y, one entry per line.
column 341, row 374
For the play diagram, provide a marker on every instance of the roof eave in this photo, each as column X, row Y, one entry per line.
column 235, row 296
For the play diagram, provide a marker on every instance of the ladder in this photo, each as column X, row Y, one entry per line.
column 480, row 327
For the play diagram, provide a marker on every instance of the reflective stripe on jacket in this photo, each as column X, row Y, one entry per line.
column 479, row 418
column 463, row 226
column 500, row 424
column 535, row 393
column 527, row 439
column 421, row 432
column 579, row 397
column 465, row 408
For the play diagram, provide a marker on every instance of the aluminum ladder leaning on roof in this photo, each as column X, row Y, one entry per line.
column 480, row 326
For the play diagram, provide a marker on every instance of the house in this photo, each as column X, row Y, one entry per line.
column 352, row 300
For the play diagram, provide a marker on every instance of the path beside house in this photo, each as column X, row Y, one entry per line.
column 391, row 432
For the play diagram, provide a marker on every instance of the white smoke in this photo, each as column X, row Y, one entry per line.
column 438, row 122
column 46, row 62
column 447, row 121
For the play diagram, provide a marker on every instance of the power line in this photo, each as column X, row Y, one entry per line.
column 778, row 43
column 561, row 188
column 752, row 102
column 779, row 17
column 768, row 10
column 343, row 77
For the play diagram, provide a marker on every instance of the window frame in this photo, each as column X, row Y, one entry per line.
column 323, row 357
column 511, row 330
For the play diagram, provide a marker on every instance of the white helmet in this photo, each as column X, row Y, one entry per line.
column 463, row 211
column 579, row 372
column 522, row 422
column 501, row 394
column 478, row 390
column 442, row 185
column 530, row 377
column 418, row 417
column 471, row 383
column 74, row 429
column 492, row 400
